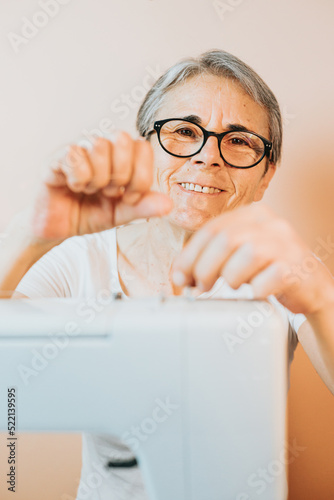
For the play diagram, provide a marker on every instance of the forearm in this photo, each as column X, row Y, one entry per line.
column 322, row 324
column 19, row 250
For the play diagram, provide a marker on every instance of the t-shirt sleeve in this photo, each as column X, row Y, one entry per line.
column 295, row 322
column 81, row 266
column 53, row 275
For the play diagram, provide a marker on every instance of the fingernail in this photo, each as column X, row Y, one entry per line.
column 179, row 278
column 85, row 143
column 122, row 138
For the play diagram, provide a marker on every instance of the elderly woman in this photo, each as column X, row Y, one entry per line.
column 210, row 143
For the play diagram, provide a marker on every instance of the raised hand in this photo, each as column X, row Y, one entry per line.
column 90, row 191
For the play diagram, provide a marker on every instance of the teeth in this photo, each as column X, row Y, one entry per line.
column 199, row 189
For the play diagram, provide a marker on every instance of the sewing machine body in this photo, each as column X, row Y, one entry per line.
column 205, row 381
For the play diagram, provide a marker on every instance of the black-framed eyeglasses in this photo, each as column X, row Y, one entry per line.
column 238, row 148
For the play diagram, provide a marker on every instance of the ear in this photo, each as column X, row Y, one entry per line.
column 264, row 182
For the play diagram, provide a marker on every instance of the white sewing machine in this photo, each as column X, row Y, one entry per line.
column 204, row 380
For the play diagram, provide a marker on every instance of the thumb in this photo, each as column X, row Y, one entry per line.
column 152, row 204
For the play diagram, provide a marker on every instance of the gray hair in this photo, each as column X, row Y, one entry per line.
column 218, row 63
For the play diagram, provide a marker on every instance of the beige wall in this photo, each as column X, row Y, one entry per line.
column 68, row 78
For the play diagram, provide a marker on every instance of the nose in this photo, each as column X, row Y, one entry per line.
column 209, row 154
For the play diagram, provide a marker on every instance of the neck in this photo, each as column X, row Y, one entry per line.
column 167, row 238
column 150, row 252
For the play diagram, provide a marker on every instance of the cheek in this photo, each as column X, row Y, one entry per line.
column 166, row 169
column 246, row 182
column 162, row 177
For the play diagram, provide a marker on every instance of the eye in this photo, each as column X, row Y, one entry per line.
column 237, row 140
column 243, row 140
column 186, row 132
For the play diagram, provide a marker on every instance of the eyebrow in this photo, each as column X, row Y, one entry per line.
column 193, row 118
column 230, row 126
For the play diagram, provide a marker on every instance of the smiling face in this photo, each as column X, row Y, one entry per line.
column 219, row 103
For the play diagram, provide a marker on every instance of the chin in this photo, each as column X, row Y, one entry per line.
column 187, row 220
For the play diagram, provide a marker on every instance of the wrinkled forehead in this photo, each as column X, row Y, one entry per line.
column 217, row 101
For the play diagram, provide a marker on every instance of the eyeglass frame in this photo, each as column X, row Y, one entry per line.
column 206, row 134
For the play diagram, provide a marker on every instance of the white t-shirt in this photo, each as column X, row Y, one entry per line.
column 82, row 267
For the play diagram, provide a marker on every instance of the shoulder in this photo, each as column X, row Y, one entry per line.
column 87, row 242
column 75, row 267
column 78, row 249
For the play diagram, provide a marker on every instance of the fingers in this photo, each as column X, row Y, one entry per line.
column 203, row 257
column 70, row 168
column 270, row 281
column 123, row 167
column 73, row 170
column 100, row 161
column 120, row 165
column 230, row 227
column 77, row 168
column 224, row 253
column 184, row 263
column 247, row 261
column 204, row 260
column 210, row 265
column 234, row 245
column 152, row 204
column 142, row 176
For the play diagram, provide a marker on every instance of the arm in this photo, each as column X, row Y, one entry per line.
column 84, row 192
column 251, row 244
column 19, row 251
column 317, row 338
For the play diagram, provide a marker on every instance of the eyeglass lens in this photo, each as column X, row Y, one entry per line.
column 238, row 148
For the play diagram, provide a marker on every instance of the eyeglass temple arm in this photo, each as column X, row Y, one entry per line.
column 269, row 151
column 147, row 134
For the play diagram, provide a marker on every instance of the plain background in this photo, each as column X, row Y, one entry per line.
column 88, row 67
